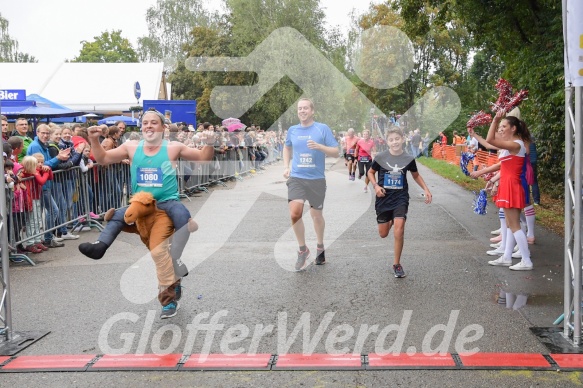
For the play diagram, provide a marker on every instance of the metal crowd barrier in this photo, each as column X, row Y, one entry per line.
column 73, row 203
column 234, row 163
column 77, row 199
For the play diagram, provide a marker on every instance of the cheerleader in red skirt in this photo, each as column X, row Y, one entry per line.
column 510, row 134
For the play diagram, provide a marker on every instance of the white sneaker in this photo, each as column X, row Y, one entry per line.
column 501, row 262
column 69, row 236
column 57, row 239
column 517, row 255
column 497, row 245
column 515, row 248
column 521, row 267
column 497, row 231
column 496, row 252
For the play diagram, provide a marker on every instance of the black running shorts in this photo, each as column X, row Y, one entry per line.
column 389, row 215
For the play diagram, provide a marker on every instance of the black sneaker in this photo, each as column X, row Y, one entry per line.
column 320, row 256
column 169, row 310
column 302, row 258
column 398, row 269
column 94, row 250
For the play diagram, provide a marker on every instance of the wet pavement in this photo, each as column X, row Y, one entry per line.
column 241, row 259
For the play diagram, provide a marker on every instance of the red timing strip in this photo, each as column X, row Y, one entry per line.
column 508, row 360
column 112, row 362
column 568, row 360
column 58, row 362
column 135, row 361
column 419, row 360
column 319, row 361
column 226, row 361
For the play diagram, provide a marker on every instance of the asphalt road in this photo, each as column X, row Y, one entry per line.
column 240, row 262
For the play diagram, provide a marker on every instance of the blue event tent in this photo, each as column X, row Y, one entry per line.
column 45, row 102
column 30, row 109
column 129, row 121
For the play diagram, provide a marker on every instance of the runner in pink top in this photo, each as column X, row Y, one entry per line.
column 365, row 148
column 350, row 140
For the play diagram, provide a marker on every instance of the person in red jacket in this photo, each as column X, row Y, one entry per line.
column 34, row 175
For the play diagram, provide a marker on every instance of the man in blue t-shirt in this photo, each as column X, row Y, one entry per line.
column 306, row 146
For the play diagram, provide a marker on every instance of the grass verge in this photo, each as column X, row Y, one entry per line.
column 549, row 214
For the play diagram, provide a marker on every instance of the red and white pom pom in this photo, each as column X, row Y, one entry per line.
column 504, row 88
column 479, row 119
column 516, row 100
column 504, row 94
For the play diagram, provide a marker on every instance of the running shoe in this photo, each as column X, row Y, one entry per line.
column 169, row 310
column 497, row 231
column 497, row 245
column 302, row 259
column 178, row 290
column 41, row 247
column 69, row 236
column 501, row 261
column 398, row 270
column 517, row 255
column 495, row 252
column 320, row 256
column 53, row 243
column 33, row 249
column 521, row 267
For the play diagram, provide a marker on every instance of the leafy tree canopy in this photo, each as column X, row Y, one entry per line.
column 107, row 48
column 9, row 47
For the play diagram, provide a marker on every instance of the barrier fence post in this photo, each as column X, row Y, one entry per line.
column 11, row 342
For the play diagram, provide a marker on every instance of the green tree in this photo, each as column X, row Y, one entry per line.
column 251, row 23
column 170, row 23
column 525, row 38
column 191, row 85
column 391, row 99
column 9, row 47
column 107, row 48
column 441, row 47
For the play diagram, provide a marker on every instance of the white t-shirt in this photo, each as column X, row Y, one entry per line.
column 473, row 144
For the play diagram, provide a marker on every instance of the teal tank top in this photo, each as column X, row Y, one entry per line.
column 154, row 174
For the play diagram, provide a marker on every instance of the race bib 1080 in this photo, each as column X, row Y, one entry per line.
column 150, row 177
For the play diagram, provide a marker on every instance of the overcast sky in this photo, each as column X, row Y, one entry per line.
column 51, row 30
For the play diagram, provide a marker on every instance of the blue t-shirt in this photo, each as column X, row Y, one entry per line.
column 307, row 163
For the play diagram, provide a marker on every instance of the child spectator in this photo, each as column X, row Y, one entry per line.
column 32, row 167
column 14, row 197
